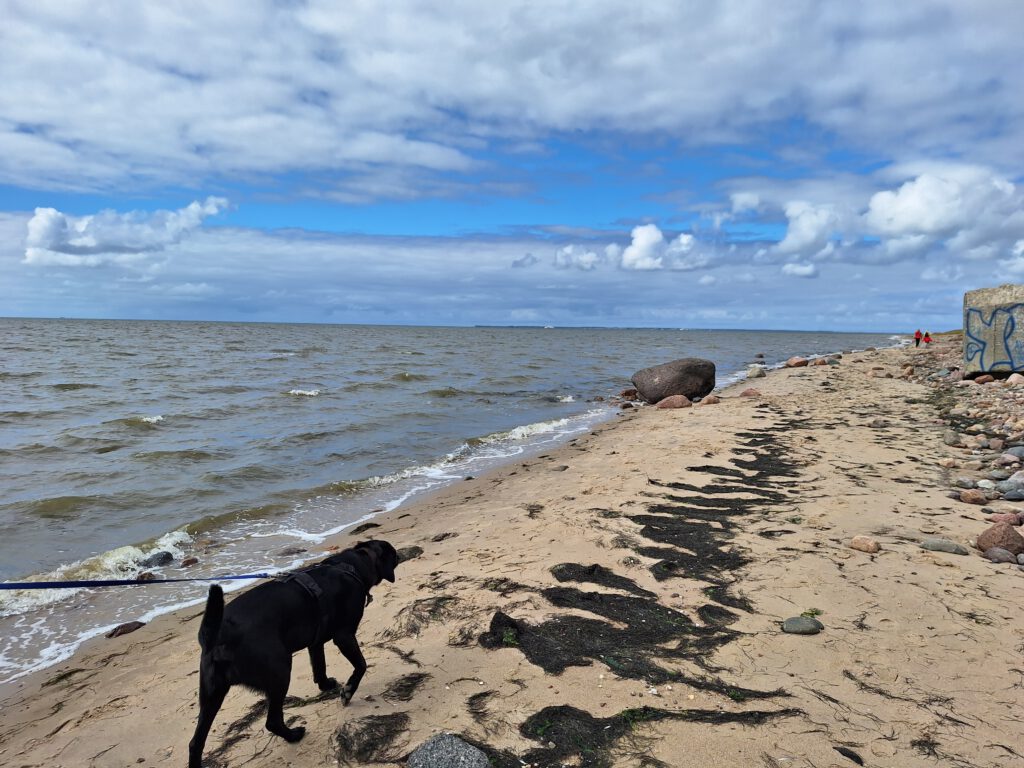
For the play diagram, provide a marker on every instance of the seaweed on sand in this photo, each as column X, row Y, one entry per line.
column 404, row 687
column 597, row 574
column 413, row 617
column 372, row 739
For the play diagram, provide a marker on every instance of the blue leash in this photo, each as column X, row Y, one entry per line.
column 119, row 582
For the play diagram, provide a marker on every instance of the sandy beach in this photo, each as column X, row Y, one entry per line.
column 618, row 602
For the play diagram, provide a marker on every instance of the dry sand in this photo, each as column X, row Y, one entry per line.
column 710, row 525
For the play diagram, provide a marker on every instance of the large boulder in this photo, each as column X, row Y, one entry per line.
column 1002, row 535
column 691, row 377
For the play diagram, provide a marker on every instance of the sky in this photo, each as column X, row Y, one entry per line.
column 848, row 166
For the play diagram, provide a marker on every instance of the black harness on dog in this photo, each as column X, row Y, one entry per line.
column 304, row 580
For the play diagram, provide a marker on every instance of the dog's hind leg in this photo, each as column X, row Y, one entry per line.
column 349, row 646
column 319, row 664
column 212, row 690
column 276, row 687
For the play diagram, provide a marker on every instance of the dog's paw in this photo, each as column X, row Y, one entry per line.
column 291, row 735
column 346, row 694
column 328, row 685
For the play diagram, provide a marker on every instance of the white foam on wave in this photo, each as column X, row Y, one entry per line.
column 567, row 399
column 304, row 392
column 151, row 419
column 119, row 563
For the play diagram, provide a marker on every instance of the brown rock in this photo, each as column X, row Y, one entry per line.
column 973, row 496
column 820, row 361
column 1015, row 378
column 189, row 561
column 996, row 444
column 865, row 544
column 711, row 400
column 674, row 401
column 1012, row 518
column 1004, row 536
column 629, row 394
column 145, row 576
column 124, row 629
column 750, row 392
column 985, row 378
column 796, row 362
column 626, row 406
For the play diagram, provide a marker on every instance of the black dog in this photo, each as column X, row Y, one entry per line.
column 251, row 641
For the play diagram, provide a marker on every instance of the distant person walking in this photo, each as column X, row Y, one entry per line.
column 927, row 338
column 917, row 338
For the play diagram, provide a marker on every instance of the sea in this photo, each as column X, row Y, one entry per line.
column 248, row 445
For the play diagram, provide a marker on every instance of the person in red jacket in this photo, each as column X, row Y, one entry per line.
column 927, row 338
column 917, row 338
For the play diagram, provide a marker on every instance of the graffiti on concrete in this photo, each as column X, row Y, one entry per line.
column 995, row 344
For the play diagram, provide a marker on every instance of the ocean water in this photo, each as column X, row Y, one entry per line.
column 240, row 443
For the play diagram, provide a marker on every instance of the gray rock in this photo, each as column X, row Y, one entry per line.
column 1015, row 495
column 1017, row 451
column 944, row 545
column 157, row 560
column 986, row 485
column 1000, row 555
column 447, row 751
column 802, row 625
column 998, row 474
column 755, row 372
column 691, row 377
column 951, row 437
column 963, row 482
column 1020, row 558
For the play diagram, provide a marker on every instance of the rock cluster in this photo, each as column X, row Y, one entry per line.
column 984, row 419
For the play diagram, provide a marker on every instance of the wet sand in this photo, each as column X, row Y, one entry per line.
column 618, row 602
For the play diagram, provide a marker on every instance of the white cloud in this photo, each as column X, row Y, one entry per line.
column 707, row 280
column 795, row 269
column 645, row 252
column 649, row 250
column 97, row 100
column 744, row 201
column 527, row 260
column 575, row 256
column 55, row 238
column 810, row 228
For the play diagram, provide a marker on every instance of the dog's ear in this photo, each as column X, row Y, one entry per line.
column 387, row 560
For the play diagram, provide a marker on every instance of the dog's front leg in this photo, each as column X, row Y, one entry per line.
column 319, row 664
column 349, row 647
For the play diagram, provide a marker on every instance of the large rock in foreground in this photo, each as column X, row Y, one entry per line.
column 691, row 377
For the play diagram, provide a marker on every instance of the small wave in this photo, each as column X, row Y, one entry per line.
column 304, row 392
column 120, row 563
column 20, row 375
column 183, row 455
column 566, row 399
column 527, row 431
column 405, row 376
column 71, row 386
column 139, row 422
column 445, row 392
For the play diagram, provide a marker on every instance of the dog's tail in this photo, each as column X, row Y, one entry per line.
column 209, row 630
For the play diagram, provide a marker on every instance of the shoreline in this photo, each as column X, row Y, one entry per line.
column 373, row 505
column 769, row 490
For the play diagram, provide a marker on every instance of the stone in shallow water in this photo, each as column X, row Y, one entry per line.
column 944, row 545
column 802, row 625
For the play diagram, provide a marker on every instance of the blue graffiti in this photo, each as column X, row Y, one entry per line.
column 1007, row 353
